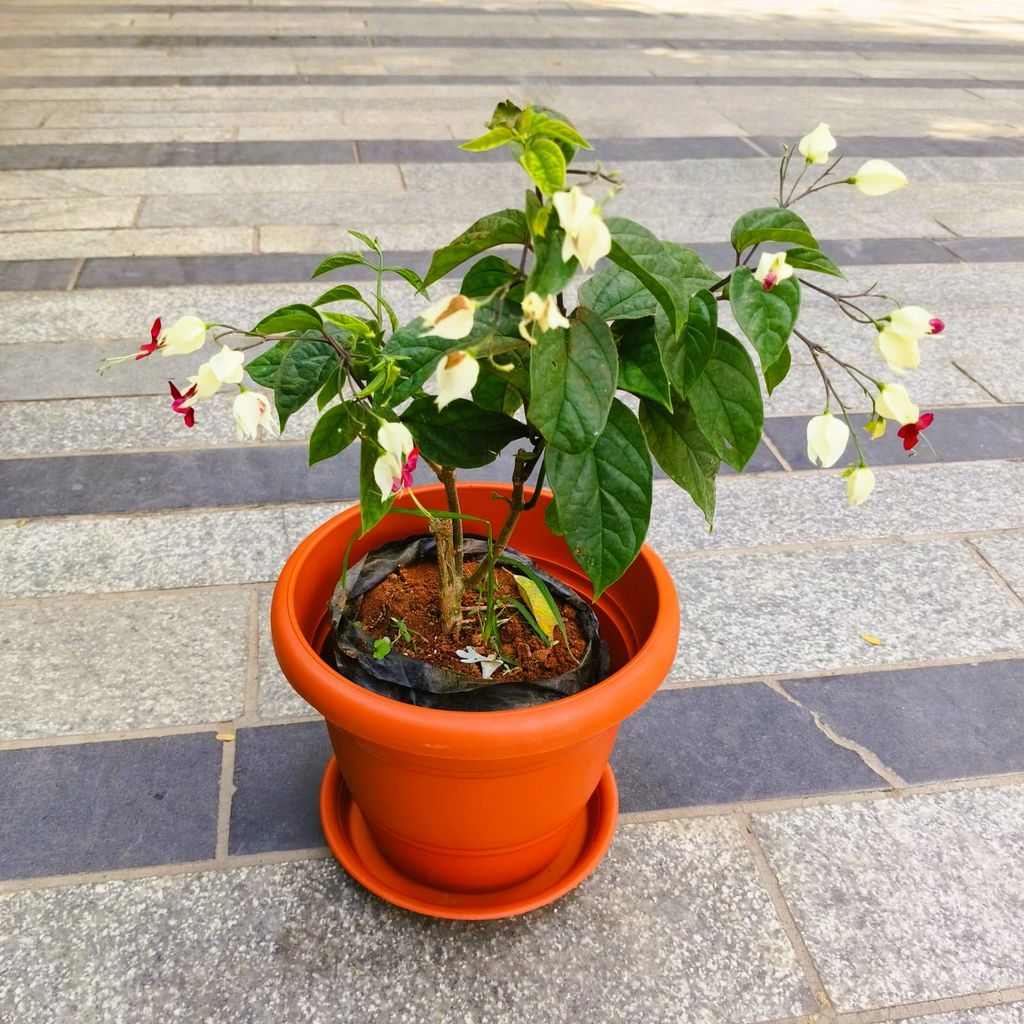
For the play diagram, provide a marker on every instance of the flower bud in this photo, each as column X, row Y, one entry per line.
column 875, row 427
column 826, row 439
column 894, row 403
column 183, row 336
column 816, row 146
column 878, row 178
column 456, row 377
column 252, row 413
column 936, row 326
column 860, row 482
column 450, row 317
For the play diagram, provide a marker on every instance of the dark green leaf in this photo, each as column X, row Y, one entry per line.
column 604, row 498
column 615, row 294
column 263, row 369
column 812, row 259
column 503, row 391
column 304, row 368
column 507, row 227
column 573, row 376
column 686, row 357
column 490, row 140
column 726, row 400
column 551, row 520
column 641, row 371
column 409, row 276
column 372, row 506
column 334, row 432
column 330, row 390
column 775, row 374
column 341, row 293
column 766, row 317
column 682, row 450
column 488, row 275
column 771, row 224
column 462, row 435
column 693, row 272
column 550, row 273
column 289, row 318
column 342, row 259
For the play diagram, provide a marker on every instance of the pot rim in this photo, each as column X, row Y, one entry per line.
column 485, row 735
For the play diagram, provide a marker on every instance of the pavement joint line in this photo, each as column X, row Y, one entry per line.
column 996, row 575
column 136, row 216
column 812, row 975
column 946, row 1004
column 774, row 449
column 225, row 793
column 76, row 273
column 251, row 704
column 977, row 383
column 868, row 756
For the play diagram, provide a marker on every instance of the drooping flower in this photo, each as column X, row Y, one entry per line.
column 151, row 346
column 182, row 403
column 252, row 413
column 827, row 438
column 816, row 145
column 893, row 402
column 224, row 368
column 860, row 482
column 771, row 269
column 450, row 317
column 587, row 237
column 543, row 312
column 394, row 468
column 878, row 178
column 183, row 336
column 911, row 432
column 914, row 320
column 456, row 377
column 900, row 351
column 875, row 427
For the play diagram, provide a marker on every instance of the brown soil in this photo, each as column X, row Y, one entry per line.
column 410, row 595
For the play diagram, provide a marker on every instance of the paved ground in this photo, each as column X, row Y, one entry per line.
column 814, row 828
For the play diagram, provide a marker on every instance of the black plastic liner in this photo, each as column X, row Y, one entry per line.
column 415, row 682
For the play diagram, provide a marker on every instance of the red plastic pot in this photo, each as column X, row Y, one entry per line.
column 471, row 814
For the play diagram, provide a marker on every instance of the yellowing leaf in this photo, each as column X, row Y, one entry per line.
column 870, row 638
column 530, row 593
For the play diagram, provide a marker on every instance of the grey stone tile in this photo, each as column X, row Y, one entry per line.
column 46, row 245
column 277, row 787
column 77, row 213
column 1011, row 1014
column 1000, row 373
column 277, row 698
column 906, row 900
column 727, row 744
column 810, row 507
column 949, row 722
column 640, row 940
column 795, row 612
column 986, row 250
column 1006, row 555
column 111, row 664
column 102, row 806
column 36, row 275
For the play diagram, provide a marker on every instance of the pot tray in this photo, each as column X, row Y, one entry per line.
column 353, row 846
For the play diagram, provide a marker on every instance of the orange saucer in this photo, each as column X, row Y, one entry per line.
column 352, row 844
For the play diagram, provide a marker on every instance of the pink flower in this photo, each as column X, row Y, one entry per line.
column 408, row 468
column 180, row 404
column 936, row 326
column 153, row 344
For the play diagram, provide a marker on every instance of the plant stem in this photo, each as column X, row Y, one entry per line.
column 449, row 576
column 447, row 476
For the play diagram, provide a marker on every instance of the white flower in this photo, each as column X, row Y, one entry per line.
column 450, row 317
column 252, row 412
column 860, row 482
column 224, row 368
column 396, row 440
column 456, row 377
column 826, row 439
column 912, row 320
column 543, row 312
column 586, row 235
column 771, row 269
column 816, row 146
column 394, row 468
column 183, row 336
column 900, row 351
column 878, row 177
column 894, row 403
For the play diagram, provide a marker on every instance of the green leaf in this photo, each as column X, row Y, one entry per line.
column 342, row 293
column 557, row 129
column 693, row 272
column 333, row 433
column 290, row 318
column 551, row 520
column 462, row 435
column 604, row 498
column 544, row 162
column 686, row 356
column 549, row 273
column 766, row 317
column 372, row 506
column 370, row 243
column 342, row 259
column 682, row 450
column 726, row 400
column 635, row 249
column 505, row 115
column 488, row 275
column 329, row 391
column 490, row 140
column 812, row 259
column 775, row 374
column 507, row 227
column 573, row 376
column 263, row 369
column 771, row 224
column 615, row 294
column 304, row 369
column 641, row 371
column 381, row 647
column 502, row 391
column 410, row 277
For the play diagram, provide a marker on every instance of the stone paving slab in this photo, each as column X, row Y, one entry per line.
column 1012, row 1014
column 640, row 939
column 1006, row 555
column 906, row 900
column 117, row 663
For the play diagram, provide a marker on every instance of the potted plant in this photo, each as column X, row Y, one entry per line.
column 474, row 647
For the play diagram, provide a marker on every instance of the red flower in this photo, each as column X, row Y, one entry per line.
column 178, row 404
column 408, row 468
column 151, row 346
column 911, row 432
column 936, row 326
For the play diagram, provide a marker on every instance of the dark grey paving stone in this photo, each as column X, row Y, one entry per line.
column 956, row 435
column 890, row 250
column 905, row 146
column 927, row 724
column 102, row 806
column 36, row 275
column 724, row 744
column 277, row 787
column 986, row 250
column 145, row 481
